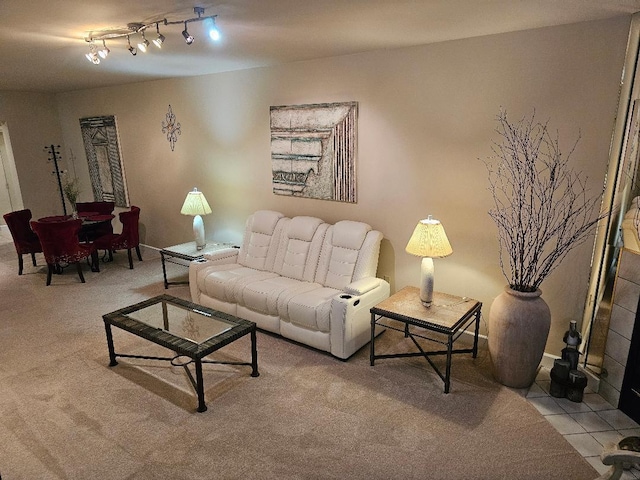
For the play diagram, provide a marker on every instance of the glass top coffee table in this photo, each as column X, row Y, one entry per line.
column 190, row 330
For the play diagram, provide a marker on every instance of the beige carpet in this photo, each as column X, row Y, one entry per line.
column 64, row 414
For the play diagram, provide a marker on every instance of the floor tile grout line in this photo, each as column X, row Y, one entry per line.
column 541, row 392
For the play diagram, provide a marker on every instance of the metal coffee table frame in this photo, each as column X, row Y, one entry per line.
column 183, row 347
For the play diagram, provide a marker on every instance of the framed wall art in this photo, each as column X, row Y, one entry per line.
column 313, row 150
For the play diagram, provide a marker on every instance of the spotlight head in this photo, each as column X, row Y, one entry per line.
column 159, row 41
column 212, row 29
column 104, row 51
column 187, row 38
column 142, row 46
column 92, row 56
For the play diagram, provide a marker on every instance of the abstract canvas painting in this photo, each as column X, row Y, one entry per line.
column 313, row 150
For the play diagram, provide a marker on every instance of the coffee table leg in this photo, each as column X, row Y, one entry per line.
column 254, row 354
column 112, row 353
column 164, row 271
column 202, row 407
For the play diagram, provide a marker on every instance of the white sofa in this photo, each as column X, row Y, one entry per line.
column 299, row 277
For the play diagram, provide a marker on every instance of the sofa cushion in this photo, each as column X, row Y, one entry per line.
column 340, row 253
column 349, row 234
column 261, row 239
column 300, row 244
column 226, row 282
column 311, row 309
column 264, row 296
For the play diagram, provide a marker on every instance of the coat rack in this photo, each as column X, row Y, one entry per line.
column 54, row 156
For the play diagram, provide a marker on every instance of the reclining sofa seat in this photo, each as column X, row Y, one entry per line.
column 298, row 277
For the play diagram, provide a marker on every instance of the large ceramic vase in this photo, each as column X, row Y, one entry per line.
column 519, row 325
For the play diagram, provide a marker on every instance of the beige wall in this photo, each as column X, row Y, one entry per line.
column 32, row 123
column 426, row 116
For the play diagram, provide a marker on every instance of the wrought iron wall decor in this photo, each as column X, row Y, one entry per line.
column 313, row 150
column 106, row 169
column 171, row 128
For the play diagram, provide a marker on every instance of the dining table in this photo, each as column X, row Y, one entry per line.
column 90, row 222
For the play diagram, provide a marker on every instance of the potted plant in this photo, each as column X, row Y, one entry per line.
column 542, row 211
column 71, row 189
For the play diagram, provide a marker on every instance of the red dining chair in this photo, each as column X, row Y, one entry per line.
column 24, row 239
column 129, row 238
column 101, row 208
column 60, row 244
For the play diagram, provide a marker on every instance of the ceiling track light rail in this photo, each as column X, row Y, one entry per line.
column 96, row 53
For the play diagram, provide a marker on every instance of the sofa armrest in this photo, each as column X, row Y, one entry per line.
column 362, row 286
column 351, row 316
column 226, row 255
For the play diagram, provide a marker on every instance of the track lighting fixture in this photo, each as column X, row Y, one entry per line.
column 160, row 39
column 142, row 46
column 131, row 49
column 95, row 53
column 187, row 38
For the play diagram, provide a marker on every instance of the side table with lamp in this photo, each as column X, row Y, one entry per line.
column 421, row 313
column 185, row 253
column 194, row 204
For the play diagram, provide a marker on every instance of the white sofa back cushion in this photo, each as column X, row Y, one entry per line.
column 261, row 239
column 340, row 253
column 299, row 249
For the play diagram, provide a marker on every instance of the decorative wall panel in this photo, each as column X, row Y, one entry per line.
column 100, row 137
column 313, row 150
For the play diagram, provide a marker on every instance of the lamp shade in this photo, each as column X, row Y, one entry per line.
column 195, row 204
column 429, row 240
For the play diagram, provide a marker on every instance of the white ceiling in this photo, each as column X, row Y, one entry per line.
column 42, row 42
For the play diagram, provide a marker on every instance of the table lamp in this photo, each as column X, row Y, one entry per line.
column 428, row 241
column 195, row 204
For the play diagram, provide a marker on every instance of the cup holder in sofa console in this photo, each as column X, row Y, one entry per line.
column 348, row 297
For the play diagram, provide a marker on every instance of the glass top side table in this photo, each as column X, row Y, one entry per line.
column 185, row 253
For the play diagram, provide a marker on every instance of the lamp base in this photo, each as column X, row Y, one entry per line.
column 198, row 232
column 426, row 281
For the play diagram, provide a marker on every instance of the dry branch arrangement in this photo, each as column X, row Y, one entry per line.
column 542, row 209
column 71, row 189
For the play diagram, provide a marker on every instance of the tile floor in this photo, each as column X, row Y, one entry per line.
column 588, row 425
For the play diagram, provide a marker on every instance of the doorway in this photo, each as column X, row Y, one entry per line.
column 10, row 195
